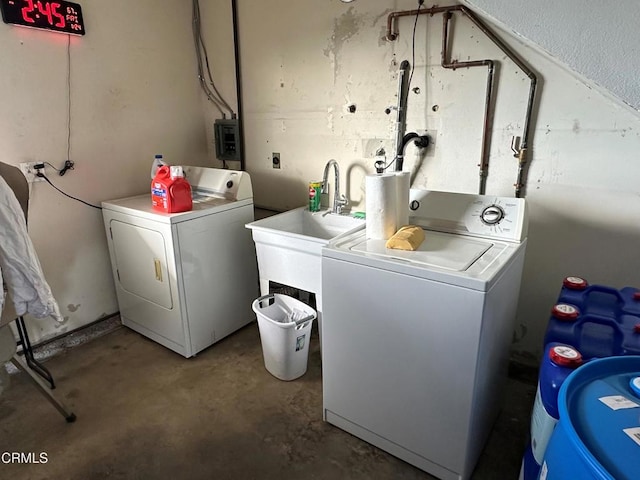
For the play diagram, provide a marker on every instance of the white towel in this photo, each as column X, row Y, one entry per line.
column 19, row 265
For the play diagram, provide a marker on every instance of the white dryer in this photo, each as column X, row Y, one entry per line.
column 186, row 280
column 416, row 344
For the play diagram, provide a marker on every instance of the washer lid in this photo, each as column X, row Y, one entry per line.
column 442, row 250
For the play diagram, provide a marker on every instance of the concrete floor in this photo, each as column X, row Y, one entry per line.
column 145, row 412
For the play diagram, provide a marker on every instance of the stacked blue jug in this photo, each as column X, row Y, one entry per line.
column 599, row 321
column 587, row 322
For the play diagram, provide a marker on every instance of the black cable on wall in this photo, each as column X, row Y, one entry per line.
column 236, row 51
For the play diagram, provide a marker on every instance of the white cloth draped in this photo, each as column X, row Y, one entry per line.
column 19, row 265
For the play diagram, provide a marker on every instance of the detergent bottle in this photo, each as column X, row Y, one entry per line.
column 157, row 163
column 170, row 191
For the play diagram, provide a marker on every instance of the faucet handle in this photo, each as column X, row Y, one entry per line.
column 341, row 202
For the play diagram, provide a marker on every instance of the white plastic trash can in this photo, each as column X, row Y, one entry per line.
column 285, row 330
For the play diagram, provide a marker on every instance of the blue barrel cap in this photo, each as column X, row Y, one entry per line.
column 575, row 283
column 565, row 311
column 565, row 356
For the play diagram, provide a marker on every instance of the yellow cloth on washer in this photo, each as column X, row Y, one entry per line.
column 408, row 237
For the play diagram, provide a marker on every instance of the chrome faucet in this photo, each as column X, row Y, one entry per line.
column 339, row 201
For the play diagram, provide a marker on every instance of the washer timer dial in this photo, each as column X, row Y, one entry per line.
column 496, row 217
column 492, row 215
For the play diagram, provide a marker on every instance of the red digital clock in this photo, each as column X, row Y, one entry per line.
column 57, row 16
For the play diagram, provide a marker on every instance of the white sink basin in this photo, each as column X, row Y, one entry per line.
column 289, row 246
column 316, row 226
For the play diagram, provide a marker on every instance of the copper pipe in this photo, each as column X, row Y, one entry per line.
column 521, row 154
column 486, row 128
column 392, row 35
column 526, row 130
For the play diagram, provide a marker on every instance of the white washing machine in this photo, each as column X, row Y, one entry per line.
column 186, row 280
column 416, row 344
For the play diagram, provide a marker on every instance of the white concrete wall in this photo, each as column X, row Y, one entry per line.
column 303, row 62
column 598, row 40
column 134, row 93
column 217, row 33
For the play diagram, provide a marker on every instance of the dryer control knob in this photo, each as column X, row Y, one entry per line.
column 229, row 184
column 492, row 215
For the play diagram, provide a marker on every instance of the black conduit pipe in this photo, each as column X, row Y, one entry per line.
column 236, row 52
column 401, row 122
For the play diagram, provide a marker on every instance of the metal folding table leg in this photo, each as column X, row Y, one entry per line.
column 27, row 350
column 44, row 389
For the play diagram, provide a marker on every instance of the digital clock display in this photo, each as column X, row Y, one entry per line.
column 57, row 16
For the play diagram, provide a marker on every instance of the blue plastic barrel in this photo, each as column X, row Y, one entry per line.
column 596, row 320
column 529, row 468
column 558, row 362
column 598, row 433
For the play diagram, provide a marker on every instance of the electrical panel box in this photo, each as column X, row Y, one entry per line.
column 227, row 139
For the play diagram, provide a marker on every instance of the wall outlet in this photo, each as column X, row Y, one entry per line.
column 30, row 172
column 275, row 160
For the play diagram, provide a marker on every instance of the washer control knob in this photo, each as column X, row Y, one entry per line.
column 229, row 184
column 492, row 215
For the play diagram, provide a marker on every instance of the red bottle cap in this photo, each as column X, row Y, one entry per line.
column 575, row 283
column 564, row 311
column 565, row 356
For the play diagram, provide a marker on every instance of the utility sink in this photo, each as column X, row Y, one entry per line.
column 289, row 246
column 317, row 227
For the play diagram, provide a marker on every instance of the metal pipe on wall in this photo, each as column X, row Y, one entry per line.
column 486, row 129
column 392, row 33
column 522, row 151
